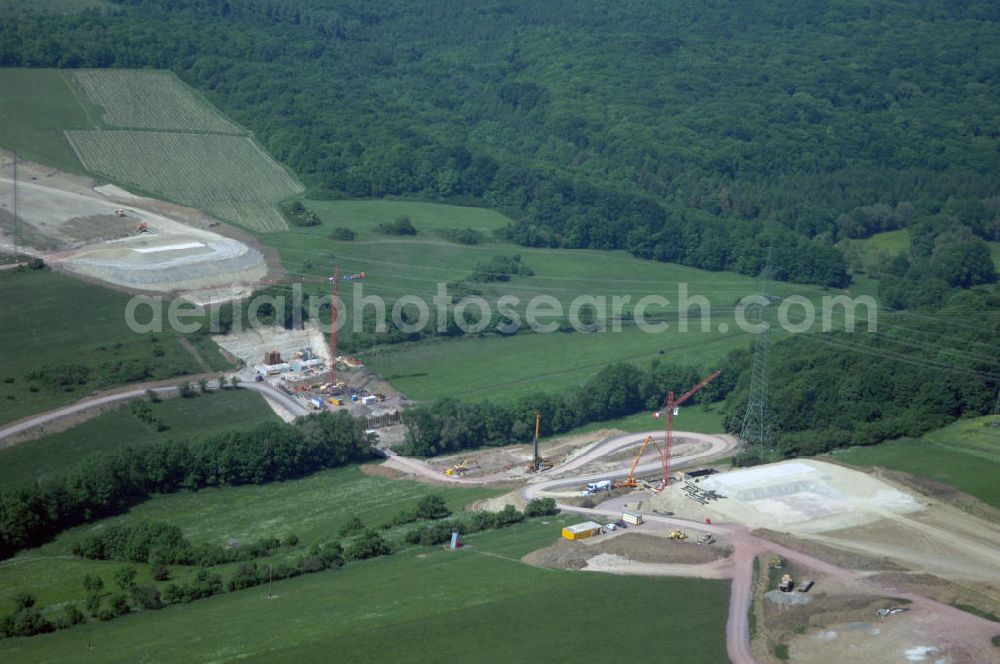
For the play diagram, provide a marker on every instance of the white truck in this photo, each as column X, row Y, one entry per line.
column 603, row 485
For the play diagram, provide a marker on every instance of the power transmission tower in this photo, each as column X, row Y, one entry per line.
column 755, row 433
column 16, row 228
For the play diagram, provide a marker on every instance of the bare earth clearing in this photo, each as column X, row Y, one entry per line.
column 828, row 521
column 90, row 230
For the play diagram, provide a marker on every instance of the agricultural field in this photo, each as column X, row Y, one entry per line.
column 35, row 107
column 146, row 131
column 964, row 455
column 314, row 508
column 150, row 100
column 415, row 265
column 229, row 177
column 49, row 360
column 226, row 410
column 410, row 607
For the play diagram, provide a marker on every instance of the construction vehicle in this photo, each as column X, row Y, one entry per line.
column 537, row 463
column 630, row 481
column 458, row 468
column 787, row 583
column 603, row 485
column 677, row 535
column 776, row 562
column 707, row 538
column 142, row 227
column 885, row 613
column 120, row 212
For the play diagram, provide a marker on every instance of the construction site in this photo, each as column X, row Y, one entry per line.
column 104, row 233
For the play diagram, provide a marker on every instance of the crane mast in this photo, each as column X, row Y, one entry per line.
column 668, row 439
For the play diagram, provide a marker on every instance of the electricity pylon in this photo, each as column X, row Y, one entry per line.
column 755, row 433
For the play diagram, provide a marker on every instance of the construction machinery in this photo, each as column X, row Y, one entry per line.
column 670, row 408
column 120, row 212
column 677, row 535
column 458, row 469
column 335, row 281
column 776, row 562
column 707, row 538
column 537, row 463
column 630, row 481
column 142, row 227
column 787, row 583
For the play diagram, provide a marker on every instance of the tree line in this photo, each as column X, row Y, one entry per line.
column 449, row 425
column 108, row 484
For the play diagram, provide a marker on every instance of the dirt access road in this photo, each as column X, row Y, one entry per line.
column 949, row 624
column 269, row 392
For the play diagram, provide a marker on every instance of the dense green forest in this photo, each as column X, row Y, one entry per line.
column 680, row 131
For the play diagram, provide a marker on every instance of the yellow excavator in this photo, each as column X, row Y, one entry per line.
column 677, row 535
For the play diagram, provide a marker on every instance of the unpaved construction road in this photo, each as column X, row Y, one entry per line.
column 971, row 633
column 267, row 391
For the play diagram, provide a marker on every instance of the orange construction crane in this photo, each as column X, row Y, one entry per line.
column 630, row 480
column 668, row 411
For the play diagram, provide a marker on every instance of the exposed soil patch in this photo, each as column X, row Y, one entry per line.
column 382, row 471
column 637, row 547
column 839, row 557
column 981, row 596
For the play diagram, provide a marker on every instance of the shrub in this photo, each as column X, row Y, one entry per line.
column 508, row 516
column 432, row 506
column 353, row 525
column 342, row 233
column 159, row 572
column 119, row 606
column 244, row 576
column 72, row 615
column 27, row 621
column 467, row 236
column 401, row 226
column 124, row 577
column 541, row 507
column 369, row 545
column 147, row 596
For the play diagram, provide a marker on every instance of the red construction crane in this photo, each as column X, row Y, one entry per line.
column 668, row 411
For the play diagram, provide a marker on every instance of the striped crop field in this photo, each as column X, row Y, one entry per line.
column 150, row 100
column 228, row 176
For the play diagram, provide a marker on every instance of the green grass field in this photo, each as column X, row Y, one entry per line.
column 51, row 455
column 964, row 454
column 313, row 507
column 502, row 367
column 697, row 419
column 893, row 243
column 479, row 604
column 35, row 107
column 51, row 320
